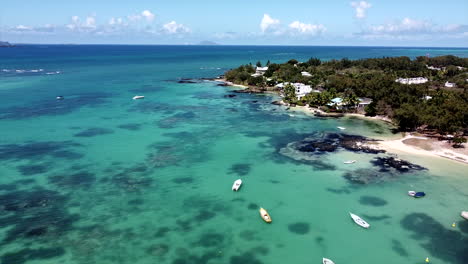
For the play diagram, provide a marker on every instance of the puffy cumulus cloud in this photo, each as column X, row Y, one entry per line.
column 22, row 28
column 148, row 15
column 307, row 29
column 268, row 22
column 174, row 28
column 360, row 8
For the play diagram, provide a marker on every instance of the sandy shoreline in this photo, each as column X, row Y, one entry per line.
column 410, row 144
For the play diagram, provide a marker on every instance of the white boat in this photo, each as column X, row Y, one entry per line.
column 464, row 214
column 265, row 216
column 341, row 128
column 136, row 97
column 358, row 220
column 327, row 261
column 349, row 162
column 236, row 185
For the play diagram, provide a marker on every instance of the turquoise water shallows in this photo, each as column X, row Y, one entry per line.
column 102, row 178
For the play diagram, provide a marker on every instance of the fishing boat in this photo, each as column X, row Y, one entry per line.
column 327, row 261
column 341, row 128
column 464, row 214
column 416, row 194
column 349, row 162
column 136, row 97
column 265, row 216
column 237, row 184
column 358, row 220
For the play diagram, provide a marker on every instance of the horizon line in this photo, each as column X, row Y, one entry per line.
column 234, row 45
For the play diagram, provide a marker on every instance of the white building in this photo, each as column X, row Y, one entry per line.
column 433, row 68
column 417, row 80
column 449, row 84
column 363, row 102
column 261, row 70
column 301, row 89
column 306, row 74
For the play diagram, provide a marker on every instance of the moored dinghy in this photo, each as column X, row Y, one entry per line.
column 349, row 162
column 464, row 214
column 136, row 97
column 327, row 261
column 341, row 128
column 237, row 184
column 265, row 216
column 358, row 220
column 416, row 194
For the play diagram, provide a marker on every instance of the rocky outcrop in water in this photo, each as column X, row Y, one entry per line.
column 388, row 163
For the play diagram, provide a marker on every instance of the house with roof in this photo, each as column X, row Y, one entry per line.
column 417, row 80
column 306, row 74
column 336, row 102
column 449, row 84
column 363, row 102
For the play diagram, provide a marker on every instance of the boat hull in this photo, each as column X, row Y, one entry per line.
column 359, row 221
column 464, row 214
column 265, row 216
column 327, row 261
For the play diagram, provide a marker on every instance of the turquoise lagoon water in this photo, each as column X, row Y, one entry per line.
column 101, row 178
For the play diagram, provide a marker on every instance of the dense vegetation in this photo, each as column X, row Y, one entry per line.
column 407, row 105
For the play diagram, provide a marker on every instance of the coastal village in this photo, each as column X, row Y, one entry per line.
column 388, row 89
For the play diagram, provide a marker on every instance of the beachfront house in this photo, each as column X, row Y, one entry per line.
column 336, row 102
column 417, row 80
column 449, row 84
column 363, row 102
column 301, row 89
column 306, row 74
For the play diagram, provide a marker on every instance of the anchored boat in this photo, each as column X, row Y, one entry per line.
column 237, row 184
column 464, row 214
column 327, row 261
column 136, row 97
column 265, row 216
column 416, row 194
column 358, row 220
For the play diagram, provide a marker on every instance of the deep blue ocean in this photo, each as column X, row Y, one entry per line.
column 100, row 178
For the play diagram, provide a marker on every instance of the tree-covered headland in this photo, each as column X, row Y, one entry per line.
column 440, row 103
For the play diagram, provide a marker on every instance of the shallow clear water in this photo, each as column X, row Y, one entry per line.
column 101, row 178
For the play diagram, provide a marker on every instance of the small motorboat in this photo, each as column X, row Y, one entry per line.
column 265, row 216
column 416, row 194
column 349, row 162
column 358, row 220
column 136, row 97
column 237, row 184
column 341, row 128
column 60, row 97
column 327, row 261
column 464, row 214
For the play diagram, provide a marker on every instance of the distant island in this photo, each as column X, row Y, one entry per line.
column 424, row 95
column 207, row 43
column 5, row 44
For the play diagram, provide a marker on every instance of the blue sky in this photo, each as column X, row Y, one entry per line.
column 259, row 22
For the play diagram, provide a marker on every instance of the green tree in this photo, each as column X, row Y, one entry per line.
column 259, row 64
column 458, row 141
column 289, row 93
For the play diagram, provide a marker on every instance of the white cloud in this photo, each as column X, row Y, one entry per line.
column 268, row 22
column 174, row 28
column 22, row 28
column 307, row 29
column 148, row 15
column 408, row 28
column 90, row 22
column 360, row 8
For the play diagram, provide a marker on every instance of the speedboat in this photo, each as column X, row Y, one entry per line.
column 327, row 261
column 236, row 185
column 341, row 128
column 60, row 97
column 416, row 194
column 464, row 214
column 349, row 162
column 358, row 220
column 136, row 97
column 265, row 216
